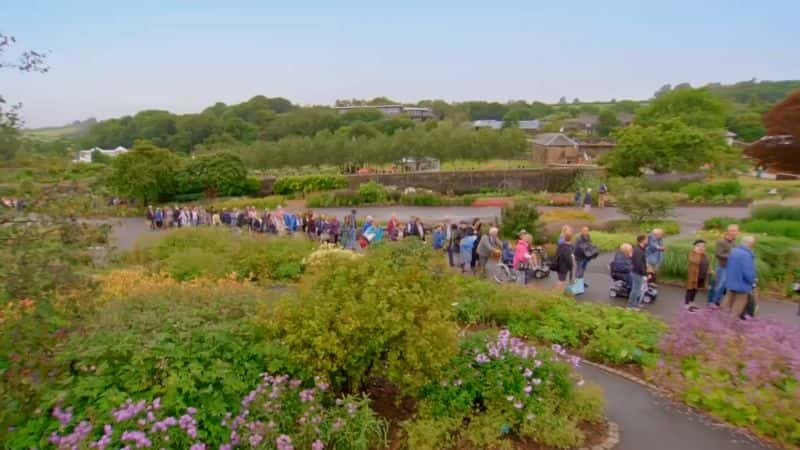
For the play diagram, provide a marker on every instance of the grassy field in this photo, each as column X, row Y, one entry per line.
column 53, row 133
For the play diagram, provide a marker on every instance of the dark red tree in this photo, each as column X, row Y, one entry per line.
column 779, row 150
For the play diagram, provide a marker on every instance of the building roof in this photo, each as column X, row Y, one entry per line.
column 494, row 124
column 587, row 119
column 555, row 140
column 529, row 124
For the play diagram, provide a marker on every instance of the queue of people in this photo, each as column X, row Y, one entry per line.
column 731, row 282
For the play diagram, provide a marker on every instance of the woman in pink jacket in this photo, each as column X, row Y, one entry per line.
column 522, row 256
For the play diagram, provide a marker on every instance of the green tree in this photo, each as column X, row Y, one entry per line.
column 99, row 157
column 222, row 174
column 606, row 122
column 747, row 125
column 147, row 173
column 645, row 206
column 662, row 91
column 694, row 107
column 666, row 145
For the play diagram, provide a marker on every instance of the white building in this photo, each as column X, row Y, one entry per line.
column 85, row 156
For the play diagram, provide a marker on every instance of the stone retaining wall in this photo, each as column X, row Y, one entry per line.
column 465, row 182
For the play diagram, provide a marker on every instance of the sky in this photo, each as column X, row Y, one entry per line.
column 114, row 58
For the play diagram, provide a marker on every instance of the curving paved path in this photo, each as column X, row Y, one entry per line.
column 647, row 421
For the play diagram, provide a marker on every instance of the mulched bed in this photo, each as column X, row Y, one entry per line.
column 389, row 403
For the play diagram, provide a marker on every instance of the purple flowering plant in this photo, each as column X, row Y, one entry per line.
column 507, row 386
column 280, row 413
column 744, row 372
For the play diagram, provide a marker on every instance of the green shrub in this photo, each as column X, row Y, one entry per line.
column 619, row 185
column 422, row 199
column 308, row 183
column 775, row 212
column 517, row 217
column 190, row 253
column 609, row 242
column 333, row 199
column 719, row 223
column 785, row 228
column 190, row 345
column 645, row 206
column 372, row 192
column 499, row 388
column 604, row 334
column 386, row 314
column 714, row 191
column 670, row 227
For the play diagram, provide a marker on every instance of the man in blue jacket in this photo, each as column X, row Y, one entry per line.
column 740, row 274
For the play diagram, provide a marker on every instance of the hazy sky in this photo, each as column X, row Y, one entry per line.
column 111, row 58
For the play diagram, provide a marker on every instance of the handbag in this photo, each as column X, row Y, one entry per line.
column 577, row 287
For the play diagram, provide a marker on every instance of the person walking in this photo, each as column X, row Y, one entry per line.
column 740, row 277
column 476, row 230
column 655, row 249
column 578, row 197
column 488, row 247
column 438, row 237
column 638, row 271
column 158, row 217
column 393, row 227
column 697, row 273
column 453, row 245
column 564, row 260
column 723, row 250
column 585, row 251
column 601, row 195
column 151, row 217
column 466, row 244
column 587, row 200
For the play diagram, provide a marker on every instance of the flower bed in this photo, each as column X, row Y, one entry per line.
column 499, row 389
column 747, row 373
column 279, row 413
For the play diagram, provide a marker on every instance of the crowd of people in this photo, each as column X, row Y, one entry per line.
column 474, row 247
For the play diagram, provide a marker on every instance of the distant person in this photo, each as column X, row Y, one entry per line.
column 438, row 237
column 601, row 195
column 724, row 246
column 740, row 277
column 578, row 196
column 158, row 218
column 467, row 242
column 696, row 274
column 452, row 245
column 151, row 217
column 638, row 271
column 476, row 229
column 655, row 248
column 587, row 200
column 393, row 228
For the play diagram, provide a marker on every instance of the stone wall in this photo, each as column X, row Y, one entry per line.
column 554, row 179
column 465, row 182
